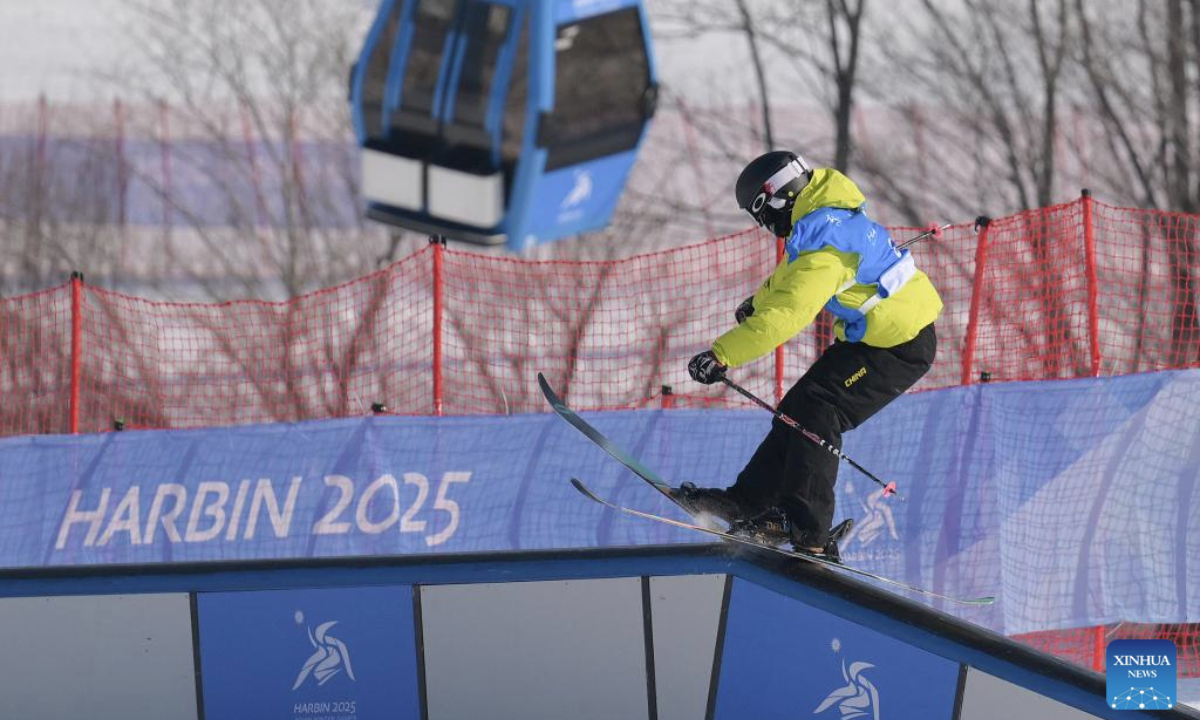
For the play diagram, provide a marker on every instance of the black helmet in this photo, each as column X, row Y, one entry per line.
column 769, row 186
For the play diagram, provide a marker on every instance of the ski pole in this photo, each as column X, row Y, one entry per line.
column 889, row 488
column 933, row 231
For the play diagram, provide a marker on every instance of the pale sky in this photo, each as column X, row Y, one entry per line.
column 48, row 45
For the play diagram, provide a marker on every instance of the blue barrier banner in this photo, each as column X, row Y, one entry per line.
column 327, row 654
column 364, row 486
column 1070, row 501
column 806, row 662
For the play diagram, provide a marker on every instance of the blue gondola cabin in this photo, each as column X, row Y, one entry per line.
column 504, row 121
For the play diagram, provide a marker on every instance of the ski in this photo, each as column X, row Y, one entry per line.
column 652, row 478
column 782, row 551
column 605, row 444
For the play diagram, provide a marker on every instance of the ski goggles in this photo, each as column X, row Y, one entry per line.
column 770, row 196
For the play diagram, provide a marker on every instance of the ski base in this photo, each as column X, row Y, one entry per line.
column 583, row 489
column 608, row 446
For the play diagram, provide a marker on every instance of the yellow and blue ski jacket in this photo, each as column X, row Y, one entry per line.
column 837, row 258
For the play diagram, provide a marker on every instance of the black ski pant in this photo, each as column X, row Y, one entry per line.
column 849, row 383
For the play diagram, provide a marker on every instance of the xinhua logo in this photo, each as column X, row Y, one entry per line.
column 1141, row 674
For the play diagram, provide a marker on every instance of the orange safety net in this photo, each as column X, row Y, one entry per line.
column 1085, row 646
column 1072, row 290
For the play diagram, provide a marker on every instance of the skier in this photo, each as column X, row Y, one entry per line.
column 884, row 307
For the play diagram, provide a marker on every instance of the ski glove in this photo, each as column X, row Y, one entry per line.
column 745, row 310
column 706, row 369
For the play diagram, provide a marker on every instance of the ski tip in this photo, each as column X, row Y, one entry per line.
column 548, row 392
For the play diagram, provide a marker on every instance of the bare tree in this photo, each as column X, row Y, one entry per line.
column 845, row 40
column 996, row 79
column 760, row 73
column 56, row 209
column 1142, row 78
column 255, row 82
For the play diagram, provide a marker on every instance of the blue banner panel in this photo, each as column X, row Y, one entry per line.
column 1070, row 501
column 362, row 486
column 327, row 654
column 782, row 658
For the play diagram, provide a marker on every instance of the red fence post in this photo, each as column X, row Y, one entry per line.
column 778, row 350
column 439, row 246
column 76, row 349
column 981, row 250
column 164, row 142
column 260, row 203
column 122, row 165
column 43, row 130
column 297, row 165
column 1089, row 248
column 40, row 172
column 1098, row 649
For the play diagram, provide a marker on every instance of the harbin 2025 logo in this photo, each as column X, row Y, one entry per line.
column 1141, row 674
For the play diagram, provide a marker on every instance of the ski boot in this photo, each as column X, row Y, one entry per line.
column 830, row 551
column 715, row 502
column 770, row 528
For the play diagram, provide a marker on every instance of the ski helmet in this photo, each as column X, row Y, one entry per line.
column 768, row 188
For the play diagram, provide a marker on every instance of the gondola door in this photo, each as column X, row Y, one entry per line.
column 501, row 120
column 439, row 106
column 604, row 94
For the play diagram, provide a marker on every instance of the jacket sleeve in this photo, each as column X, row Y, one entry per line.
column 784, row 305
